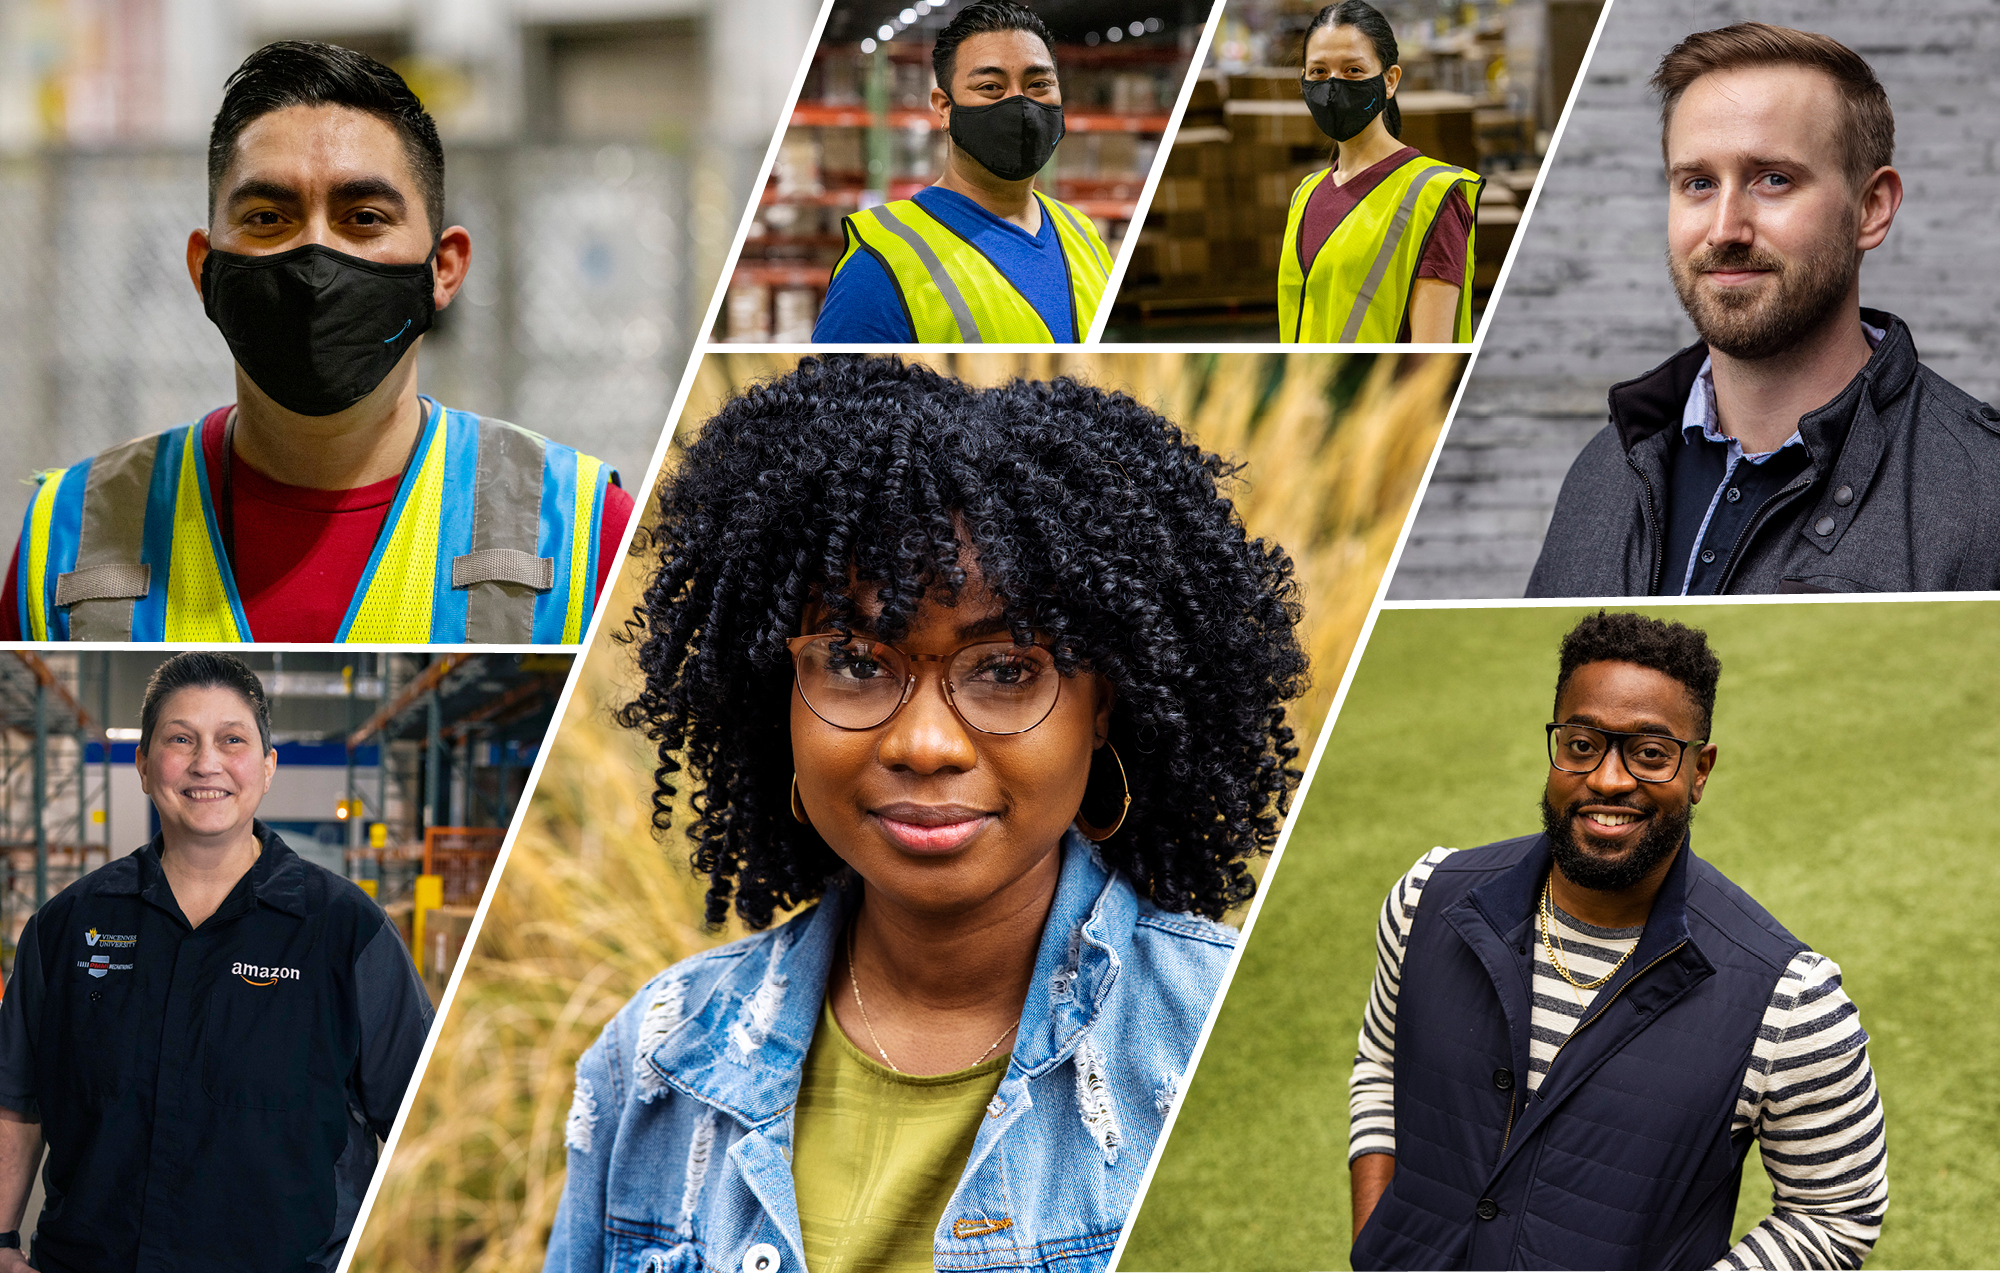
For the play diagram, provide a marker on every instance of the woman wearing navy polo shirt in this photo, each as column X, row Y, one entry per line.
column 209, row 1034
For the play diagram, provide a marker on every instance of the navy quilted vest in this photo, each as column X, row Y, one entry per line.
column 1623, row 1159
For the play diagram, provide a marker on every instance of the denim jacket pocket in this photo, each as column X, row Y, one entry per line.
column 626, row 1251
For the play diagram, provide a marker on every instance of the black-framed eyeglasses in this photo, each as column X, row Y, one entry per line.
column 995, row 687
column 1580, row 749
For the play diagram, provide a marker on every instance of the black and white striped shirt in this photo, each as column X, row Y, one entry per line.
column 1808, row 1094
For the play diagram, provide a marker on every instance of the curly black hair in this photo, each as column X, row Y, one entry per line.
column 1675, row 649
column 1100, row 528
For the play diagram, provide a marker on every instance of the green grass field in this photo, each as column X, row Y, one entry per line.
column 1854, row 796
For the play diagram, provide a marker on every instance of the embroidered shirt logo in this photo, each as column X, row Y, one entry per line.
column 259, row 975
column 99, row 964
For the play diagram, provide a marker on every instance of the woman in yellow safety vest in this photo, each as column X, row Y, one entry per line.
column 1378, row 247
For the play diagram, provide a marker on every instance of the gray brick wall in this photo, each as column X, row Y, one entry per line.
column 1588, row 303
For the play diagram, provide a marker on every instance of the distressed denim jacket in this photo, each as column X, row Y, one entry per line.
column 680, row 1136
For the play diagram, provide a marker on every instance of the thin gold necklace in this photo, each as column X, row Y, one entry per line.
column 1555, row 956
column 868, row 1025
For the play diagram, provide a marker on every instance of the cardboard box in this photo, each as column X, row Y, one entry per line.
column 1182, row 257
column 1265, row 84
column 1278, row 123
column 1199, row 152
column 1441, row 126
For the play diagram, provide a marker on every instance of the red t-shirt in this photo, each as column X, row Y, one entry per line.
column 300, row 552
column 1329, row 204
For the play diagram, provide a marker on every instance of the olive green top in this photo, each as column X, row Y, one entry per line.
column 877, row 1154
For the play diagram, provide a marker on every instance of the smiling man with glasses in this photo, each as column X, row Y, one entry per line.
column 1574, row 1037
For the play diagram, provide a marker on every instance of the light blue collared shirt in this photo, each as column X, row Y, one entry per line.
column 1701, row 419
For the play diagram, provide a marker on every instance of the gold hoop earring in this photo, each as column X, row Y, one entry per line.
column 1096, row 834
column 798, row 806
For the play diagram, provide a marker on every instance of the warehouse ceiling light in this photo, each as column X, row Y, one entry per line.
column 868, row 46
column 887, row 33
column 1115, row 34
column 909, row 16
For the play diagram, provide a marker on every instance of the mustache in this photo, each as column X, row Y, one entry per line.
column 1734, row 256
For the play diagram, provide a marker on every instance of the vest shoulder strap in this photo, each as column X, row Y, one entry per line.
column 109, row 576
column 1085, row 257
column 909, row 241
column 504, row 570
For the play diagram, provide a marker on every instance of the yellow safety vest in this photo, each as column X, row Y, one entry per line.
column 492, row 538
column 1356, row 291
column 954, row 295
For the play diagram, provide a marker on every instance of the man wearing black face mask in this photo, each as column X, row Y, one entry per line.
column 981, row 256
column 1573, row 1038
column 332, row 502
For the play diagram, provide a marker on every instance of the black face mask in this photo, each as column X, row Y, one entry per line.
column 316, row 329
column 1342, row 108
column 1013, row 137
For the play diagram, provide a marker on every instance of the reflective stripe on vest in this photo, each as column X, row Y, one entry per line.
column 492, row 538
column 953, row 294
column 1358, row 289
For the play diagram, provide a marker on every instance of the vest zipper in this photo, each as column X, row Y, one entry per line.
column 1659, row 540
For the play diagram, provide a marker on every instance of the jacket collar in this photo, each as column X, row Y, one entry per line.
column 1511, row 901
column 277, row 877
column 1651, row 404
column 744, row 1048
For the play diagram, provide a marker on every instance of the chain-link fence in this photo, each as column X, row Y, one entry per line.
column 575, row 321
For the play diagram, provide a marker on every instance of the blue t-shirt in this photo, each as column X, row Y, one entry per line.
column 862, row 307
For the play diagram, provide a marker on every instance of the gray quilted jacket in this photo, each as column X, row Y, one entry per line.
column 1902, row 493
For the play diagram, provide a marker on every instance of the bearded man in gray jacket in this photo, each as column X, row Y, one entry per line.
column 1801, row 447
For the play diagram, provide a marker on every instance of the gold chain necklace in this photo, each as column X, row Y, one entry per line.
column 1555, row 957
column 868, row 1025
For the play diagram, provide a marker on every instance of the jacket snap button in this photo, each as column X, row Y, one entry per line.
column 1707, row 556
column 762, row 1258
column 1824, row 525
column 1503, row 1079
column 1844, row 496
column 1991, row 413
column 1488, row 1208
column 1733, row 495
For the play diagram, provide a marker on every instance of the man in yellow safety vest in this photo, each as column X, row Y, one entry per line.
column 331, row 501
column 981, row 256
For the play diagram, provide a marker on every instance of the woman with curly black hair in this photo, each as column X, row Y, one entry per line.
column 998, row 680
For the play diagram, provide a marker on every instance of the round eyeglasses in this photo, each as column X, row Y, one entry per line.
column 1580, row 749
column 996, row 687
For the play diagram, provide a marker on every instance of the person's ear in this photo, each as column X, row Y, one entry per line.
column 449, row 264
column 270, row 767
column 941, row 107
column 139, row 760
column 1881, row 195
column 197, row 254
column 1704, row 764
column 1107, row 694
column 1390, row 78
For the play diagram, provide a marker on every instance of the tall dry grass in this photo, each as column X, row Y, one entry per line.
column 590, row 905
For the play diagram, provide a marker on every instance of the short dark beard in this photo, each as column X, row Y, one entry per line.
column 1580, row 868
column 1808, row 290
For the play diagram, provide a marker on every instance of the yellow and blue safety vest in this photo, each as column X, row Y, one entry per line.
column 954, row 295
column 492, row 538
column 1357, row 290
